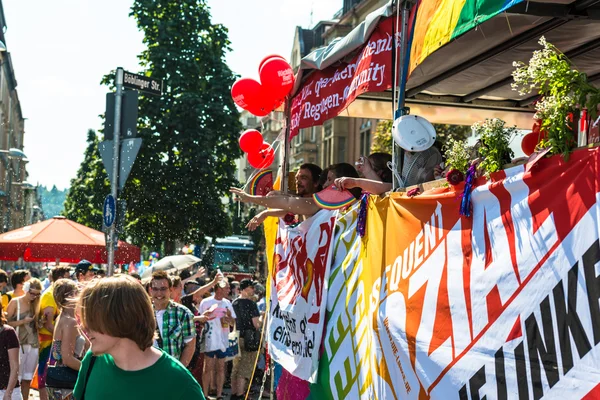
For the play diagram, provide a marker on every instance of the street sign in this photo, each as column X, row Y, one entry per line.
column 129, row 152
column 109, row 211
column 143, row 83
column 129, row 115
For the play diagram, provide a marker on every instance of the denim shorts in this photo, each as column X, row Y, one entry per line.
column 217, row 353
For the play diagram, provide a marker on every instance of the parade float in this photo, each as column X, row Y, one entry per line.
column 486, row 286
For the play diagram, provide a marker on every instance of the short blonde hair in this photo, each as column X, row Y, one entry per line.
column 64, row 290
column 119, row 307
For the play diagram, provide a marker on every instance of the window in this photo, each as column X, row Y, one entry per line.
column 327, row 152
column 313, row 134
column 365, row 138
column 328, row 129
column 341, row 149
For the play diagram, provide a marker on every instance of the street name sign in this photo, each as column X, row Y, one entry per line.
column 142, row 83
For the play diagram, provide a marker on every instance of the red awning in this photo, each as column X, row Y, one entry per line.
column 63, row 240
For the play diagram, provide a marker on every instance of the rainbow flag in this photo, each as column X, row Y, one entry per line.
column 440, row 21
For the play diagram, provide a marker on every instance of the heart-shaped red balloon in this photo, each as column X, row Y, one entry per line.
column 252, row 96
column 267, row 58
column 277, row 77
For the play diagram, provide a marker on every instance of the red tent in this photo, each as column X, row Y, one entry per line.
column 59, row 239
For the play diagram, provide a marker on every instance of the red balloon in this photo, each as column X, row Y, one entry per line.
column 267, row 58
column 251, row 141
column 529, row 143
column 252, row 96
column 262, row 158
column 277, row 77
column 244, row 91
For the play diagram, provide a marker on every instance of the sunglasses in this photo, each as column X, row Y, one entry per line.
column 35, row 294
column 362, row 160
column 159, row 289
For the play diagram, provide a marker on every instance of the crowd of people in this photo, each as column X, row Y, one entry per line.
column 89, row 336
column 372, row 174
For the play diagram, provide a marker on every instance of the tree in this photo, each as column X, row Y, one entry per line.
column 186, row 163
column 89, row 188
column 382, row 141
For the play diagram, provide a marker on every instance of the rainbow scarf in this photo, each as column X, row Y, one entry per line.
column 440, row 21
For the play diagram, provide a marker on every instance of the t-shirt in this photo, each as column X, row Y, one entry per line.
column 8, row 340
column 166, row 379
column 216, row 334
column 47, row 300
column 245, row 310
column 6, row 298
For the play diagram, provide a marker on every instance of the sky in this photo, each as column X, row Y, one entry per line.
column 61, row 51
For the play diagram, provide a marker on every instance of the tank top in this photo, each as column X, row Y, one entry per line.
column 27, row 333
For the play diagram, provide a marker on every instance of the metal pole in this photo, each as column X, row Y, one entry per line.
column 115, row 181
column 397, row 152
column 285, row 167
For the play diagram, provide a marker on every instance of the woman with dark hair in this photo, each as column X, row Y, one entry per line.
column 9, row 361
column 376, row 175
column 307, row 205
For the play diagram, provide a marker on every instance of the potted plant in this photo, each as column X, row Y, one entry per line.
column 458, row 159
column 494, row 144
column 563, row 92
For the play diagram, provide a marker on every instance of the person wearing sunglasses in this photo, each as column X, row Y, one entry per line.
column 21, row 315
column 376, row 177
column 176, row 333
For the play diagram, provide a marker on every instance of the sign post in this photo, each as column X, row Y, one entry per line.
column 118, row 156
column 114, row 187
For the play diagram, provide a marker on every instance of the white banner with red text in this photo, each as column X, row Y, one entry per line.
column 298, row 293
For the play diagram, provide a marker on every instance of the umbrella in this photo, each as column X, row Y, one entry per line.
column 172, row 264
column 60, row 239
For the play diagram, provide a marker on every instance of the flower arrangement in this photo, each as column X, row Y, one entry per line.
column 563, row 91
column 494, row 139
column 457, row 155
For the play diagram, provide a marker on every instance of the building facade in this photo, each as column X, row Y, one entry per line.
column 17, row 197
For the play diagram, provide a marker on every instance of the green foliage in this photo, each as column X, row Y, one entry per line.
column 563, row 90
column 495, row 140
column 457, row 155
column 382, row 141
column 52, row 200
column 89, row 188
column 186, row 163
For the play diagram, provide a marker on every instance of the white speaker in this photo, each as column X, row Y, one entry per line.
column 413, row 133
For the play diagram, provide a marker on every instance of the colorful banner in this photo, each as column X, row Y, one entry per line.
column 299, row 293
column 328, row 92
column 501, row 305
column 440, row 21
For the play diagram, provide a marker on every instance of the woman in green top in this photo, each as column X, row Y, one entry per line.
column 116, row 314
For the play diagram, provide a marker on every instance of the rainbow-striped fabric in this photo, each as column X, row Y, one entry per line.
column 440, row 21
column 261, row 184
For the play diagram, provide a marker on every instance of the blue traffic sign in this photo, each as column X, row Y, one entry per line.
column 109, row 211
